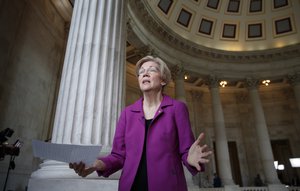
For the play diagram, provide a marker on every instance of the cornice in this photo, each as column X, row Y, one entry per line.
column 162, row 32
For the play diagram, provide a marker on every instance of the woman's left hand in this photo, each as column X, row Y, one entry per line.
column 197, row 153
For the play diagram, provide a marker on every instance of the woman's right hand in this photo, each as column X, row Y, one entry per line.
column 83, row 171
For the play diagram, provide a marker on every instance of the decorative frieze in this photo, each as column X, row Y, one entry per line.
column 145, row 51
column 212, row 81
column 294, row 79
column 252, row 83
column 153, row 24
column 178, row 72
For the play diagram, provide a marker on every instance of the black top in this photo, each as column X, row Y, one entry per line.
column 141, row 179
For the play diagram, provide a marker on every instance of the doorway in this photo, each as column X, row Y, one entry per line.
column 234, row 162
column 282, row 153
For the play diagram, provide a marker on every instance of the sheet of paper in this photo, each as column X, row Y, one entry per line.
column 66, row 152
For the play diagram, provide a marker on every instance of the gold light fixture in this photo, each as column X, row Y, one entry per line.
column 266, row 82
column 223, row 83
column 185, row 77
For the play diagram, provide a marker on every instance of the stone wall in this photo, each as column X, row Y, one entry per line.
column 31, row 54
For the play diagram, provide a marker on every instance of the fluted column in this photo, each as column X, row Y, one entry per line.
column 197, row 109
column 263, row 138
column 178, row 77
column 220, row 133
column 294, row 80
column 92, row 83
column 91, row 90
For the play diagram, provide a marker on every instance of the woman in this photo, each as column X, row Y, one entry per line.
column 153, row 138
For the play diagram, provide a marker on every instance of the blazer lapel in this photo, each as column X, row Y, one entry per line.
column 137, row 107
column 167, row 101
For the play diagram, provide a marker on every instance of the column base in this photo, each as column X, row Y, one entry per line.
column 55, row 175
column 53, row 169
column 232, row 188
column 191, row 181
column 193, row 188
column 277, row 187
column 79, row 184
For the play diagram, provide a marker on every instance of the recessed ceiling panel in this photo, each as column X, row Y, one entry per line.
column 213, row 4
column 229, row 31
column 184, row 17
column 280, row 3
column 283, row 25
column 233, row 6
column 255, row 30
column 255, row 6
column 206, row 26
column 165, row 5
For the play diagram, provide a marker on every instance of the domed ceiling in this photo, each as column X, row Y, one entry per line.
column 231, row 39
column 231, row 25
column 234, row 39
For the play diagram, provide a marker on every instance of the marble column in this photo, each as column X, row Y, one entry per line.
column 197, row 109
column 198, row 127
column 294, row 80
column 178, row 77
column 91, row 91
column 263, row 138
column 220, row 133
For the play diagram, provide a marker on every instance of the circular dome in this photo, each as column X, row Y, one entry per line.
column 231, row 25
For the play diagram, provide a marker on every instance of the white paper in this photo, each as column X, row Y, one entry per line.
column 66, row 152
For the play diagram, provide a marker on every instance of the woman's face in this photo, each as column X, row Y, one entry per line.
column 149, row 77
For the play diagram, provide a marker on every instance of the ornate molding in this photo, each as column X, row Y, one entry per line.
column 145, row 51
column 177, row 72
column 252, row 83
column 161, row 31
column 294, row 79
column 213, row 81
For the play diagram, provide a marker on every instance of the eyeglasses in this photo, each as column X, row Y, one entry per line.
column 151, row 69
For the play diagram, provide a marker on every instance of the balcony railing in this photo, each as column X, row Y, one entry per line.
column 254, row 189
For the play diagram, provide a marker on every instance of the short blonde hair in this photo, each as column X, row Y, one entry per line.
column 164, row 70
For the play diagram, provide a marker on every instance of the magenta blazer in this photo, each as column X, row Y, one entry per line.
column 168, row 141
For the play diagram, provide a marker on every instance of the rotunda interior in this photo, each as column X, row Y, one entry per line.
column 235, row 63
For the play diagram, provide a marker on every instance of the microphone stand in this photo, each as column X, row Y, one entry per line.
column 12, row 166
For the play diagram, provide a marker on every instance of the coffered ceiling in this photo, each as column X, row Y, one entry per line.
column 232, row 39
column 232, row 25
